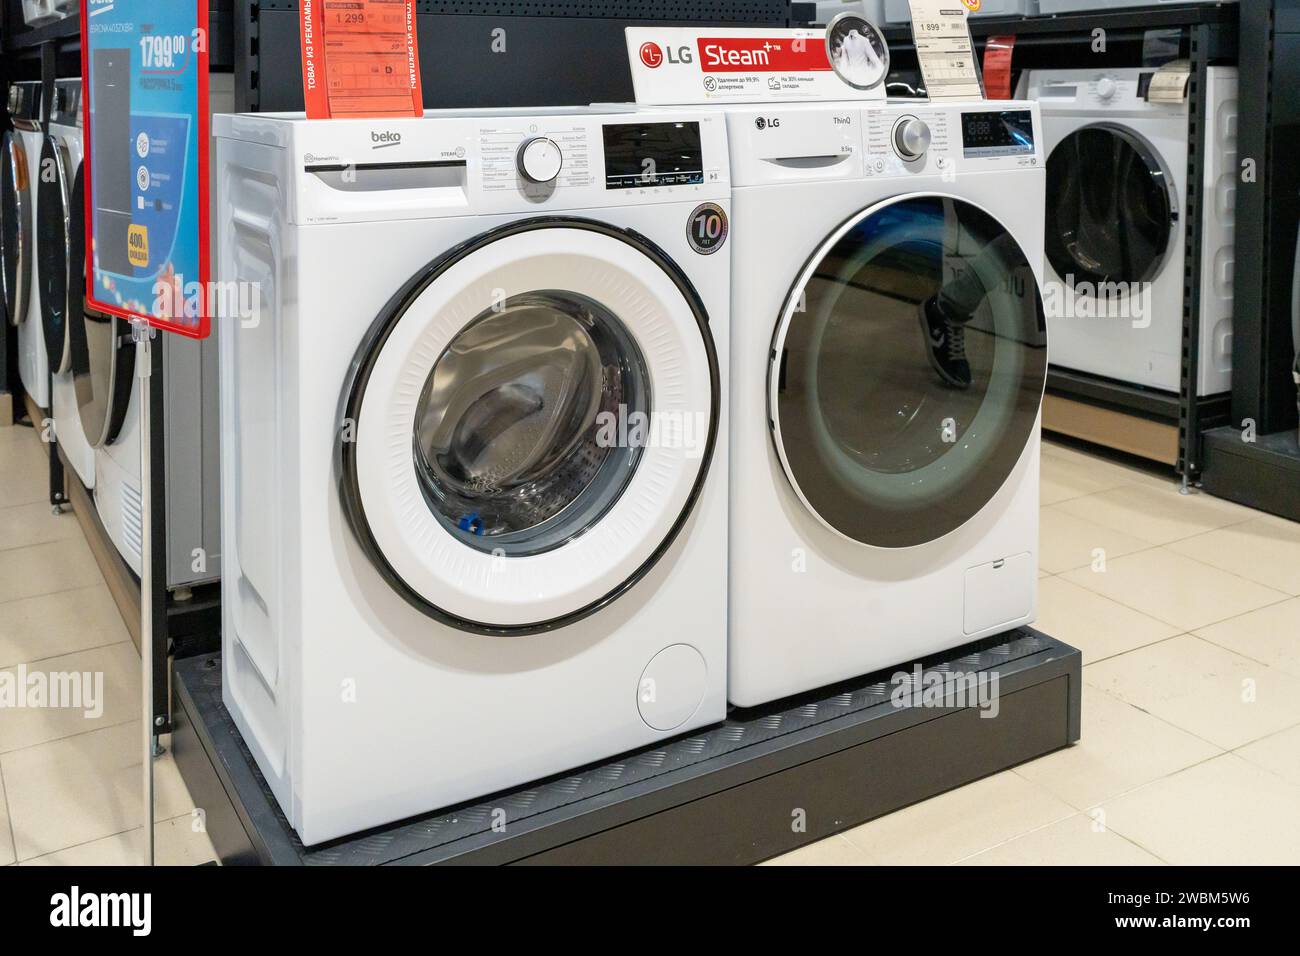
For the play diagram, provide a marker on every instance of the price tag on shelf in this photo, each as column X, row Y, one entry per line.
column 944, row 48
column 1169, row 83
column 360, row 58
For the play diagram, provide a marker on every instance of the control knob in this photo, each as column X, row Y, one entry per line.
column 540, row 160
column 1106, row 88
column 912, row 138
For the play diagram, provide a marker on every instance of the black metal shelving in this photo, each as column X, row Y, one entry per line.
column 1206, row 34
column 1254, row 459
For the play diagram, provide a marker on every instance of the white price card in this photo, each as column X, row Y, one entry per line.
column 944, row 48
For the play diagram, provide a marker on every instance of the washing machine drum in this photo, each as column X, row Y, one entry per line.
column 1111, row 209
column 54, row 223
column 100, row 353
column 907, row 371
column 515, row 460
column 15, row 227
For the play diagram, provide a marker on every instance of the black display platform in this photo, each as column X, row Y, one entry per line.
column 729, row 794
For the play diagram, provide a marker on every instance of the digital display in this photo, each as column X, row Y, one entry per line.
column 642, row 155
column 1009, row 133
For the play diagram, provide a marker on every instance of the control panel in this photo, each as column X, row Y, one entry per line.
column 498, row 161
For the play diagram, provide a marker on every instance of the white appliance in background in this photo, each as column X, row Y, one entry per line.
column 192, row 467
column 421, row 513
column 1117, row 187
column 1096, row 6
column 888, row 365
column 62, row 222
column 16, row 222
column 872, row 10
column 899, row 11
column 21, row 247
column 39, row 12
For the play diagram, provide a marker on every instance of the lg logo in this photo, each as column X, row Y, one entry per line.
column 654, row 57
column 773, row 123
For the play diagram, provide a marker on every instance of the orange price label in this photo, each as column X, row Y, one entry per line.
column 360, row 58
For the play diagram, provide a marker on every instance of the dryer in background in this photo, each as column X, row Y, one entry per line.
column 62, row 269
column 444, row 575
column 109, row 398
column 888, row 365
column 21, row 246
column 1116, row 227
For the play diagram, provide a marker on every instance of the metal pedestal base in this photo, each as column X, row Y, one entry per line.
column 765, row 782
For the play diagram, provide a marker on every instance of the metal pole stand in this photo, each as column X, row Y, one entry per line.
column 143, row 336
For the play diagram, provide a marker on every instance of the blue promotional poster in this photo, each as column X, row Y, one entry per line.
column 146, row 102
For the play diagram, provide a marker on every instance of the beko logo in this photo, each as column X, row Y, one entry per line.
column 763, row 123
column 385, row 139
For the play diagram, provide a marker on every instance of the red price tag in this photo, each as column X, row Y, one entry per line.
column 360, row 58
column 997, row 67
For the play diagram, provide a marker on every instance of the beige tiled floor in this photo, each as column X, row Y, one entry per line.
column 1186, row 609
column 70, row 784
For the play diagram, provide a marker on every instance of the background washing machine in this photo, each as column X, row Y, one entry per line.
column 22, row 267
column 16, row 222
column 61, row 221
column 888, row 365
column 1117, row 182
column 109, row 398
column 440, row 579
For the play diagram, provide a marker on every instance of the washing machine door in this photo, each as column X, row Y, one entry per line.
column 15, row 227
column 53, row 222
column 907, row 370
column 100, row 355
column 529, row 424
column 1111, row 207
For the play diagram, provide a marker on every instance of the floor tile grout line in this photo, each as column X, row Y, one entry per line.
column 1168, row 723
column 58, row 740
column 80, row 650
column 41, row 594
column 1233, row 617
column 9, row 817
column 106, row 836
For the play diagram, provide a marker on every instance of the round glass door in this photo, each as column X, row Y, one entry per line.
column 908, row 370
column 53, row 222
column 15, row 227
column 529, row 425
column 1110, row 208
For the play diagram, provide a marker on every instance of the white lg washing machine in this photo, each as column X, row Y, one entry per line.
column 1116, row 231
column 888, row 364
column 474, row 449
column 62, row 267
column 22, row 161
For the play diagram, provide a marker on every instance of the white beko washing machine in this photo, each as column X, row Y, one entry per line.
column 62, row 221
column 445, row 573
column 1116, row 228
column 109, row 400
column 888, row 364
column 22, row 271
